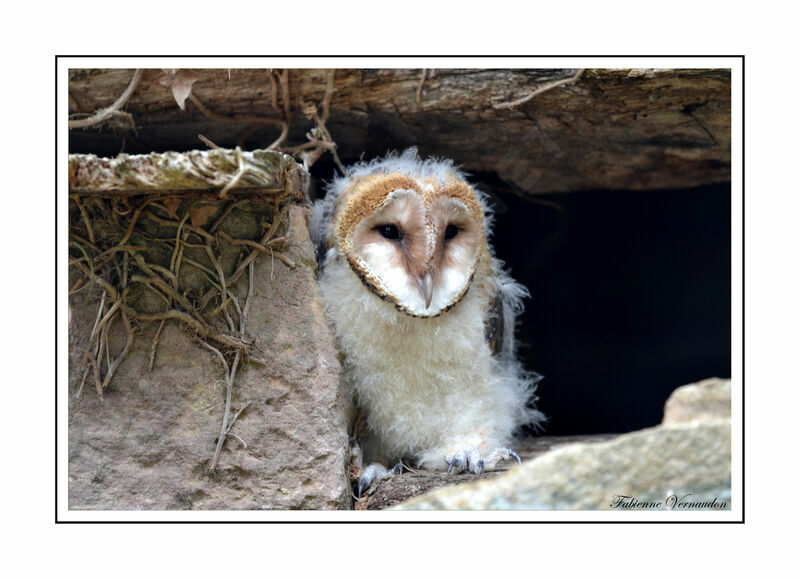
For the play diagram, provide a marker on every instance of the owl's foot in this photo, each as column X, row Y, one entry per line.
column 366, row 476
column 375, row 472
column 470, row 460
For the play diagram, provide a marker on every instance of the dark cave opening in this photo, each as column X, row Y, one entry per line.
column 630, row 298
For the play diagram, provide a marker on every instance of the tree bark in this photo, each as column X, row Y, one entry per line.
column 610, row 129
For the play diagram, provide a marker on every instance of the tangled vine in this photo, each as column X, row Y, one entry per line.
column 183, row 252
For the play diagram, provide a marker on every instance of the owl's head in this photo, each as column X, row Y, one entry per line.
column 412, row 230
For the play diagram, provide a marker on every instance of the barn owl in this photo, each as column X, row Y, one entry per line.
column 424, row 315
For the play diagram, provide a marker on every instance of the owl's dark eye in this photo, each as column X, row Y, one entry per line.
column 390, row 232
column 450, row 232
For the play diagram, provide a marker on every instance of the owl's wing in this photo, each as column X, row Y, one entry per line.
column 494, row 325
column 319, row 228
column 499, row 328
column 501, row 317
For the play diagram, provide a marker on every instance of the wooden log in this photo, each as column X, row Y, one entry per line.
column 611, row 129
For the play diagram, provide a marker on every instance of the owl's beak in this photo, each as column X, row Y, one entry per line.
column 426, row 288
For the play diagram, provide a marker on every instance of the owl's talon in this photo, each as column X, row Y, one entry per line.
column 471, row 460
column 454, row 463
column 501, row 454
column 363, row 484
column 457, row 461
column 375, row 472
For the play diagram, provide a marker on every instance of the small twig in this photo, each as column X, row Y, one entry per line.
column 229, row 433
column 246, row 242
column 112, row 366
column 89, row 261
column 145, row 281
column 276, row 241
column 207, row 142
column 236, row 416
column 282, row 257
column 320, row 138
column 421, row 83
column 253, row 254
column 166, row 273
column 155, row 345
column 95, row 370
column 79, row 285
column 284, row 80
column 85, row 217
column 233, row 421
column 129, row 232
column 108, row 351
column 226, row 427
column 540, row 90
column 272, row 261
column 179, row 260
column 197, row 325
column 274, row 92
column 199, row 266
column 227, row 211
column 284, row 112
column 116, row 203
column 239, row 173
column 222, row 284
column 196, row 230
column 79, row 393
column 281, row 139
column 248, row 299
column 177, row 249
column 124, row 275
column 97, row 361
column 408, row 468
column 109, row 315
column 246, row 134
column 228, row 396
column 235, row 303
column 77, row 244
column 218, row 353
column 106, row 113
column 223, row 304
column 325, row 104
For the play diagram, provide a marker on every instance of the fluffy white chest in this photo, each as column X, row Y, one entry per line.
column 423, row 381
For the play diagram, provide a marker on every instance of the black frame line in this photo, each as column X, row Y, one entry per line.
column 416, row 56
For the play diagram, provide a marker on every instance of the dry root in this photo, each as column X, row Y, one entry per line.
column 540, row 90
column 319, row 137
column 116, row 246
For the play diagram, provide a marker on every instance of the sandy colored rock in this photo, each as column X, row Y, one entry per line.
column 704, row 400
column 148, row 443
column 689, row 460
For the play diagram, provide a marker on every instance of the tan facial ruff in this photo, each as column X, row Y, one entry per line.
column 370, row 194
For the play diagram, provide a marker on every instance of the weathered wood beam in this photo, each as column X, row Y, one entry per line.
column 611, row 129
